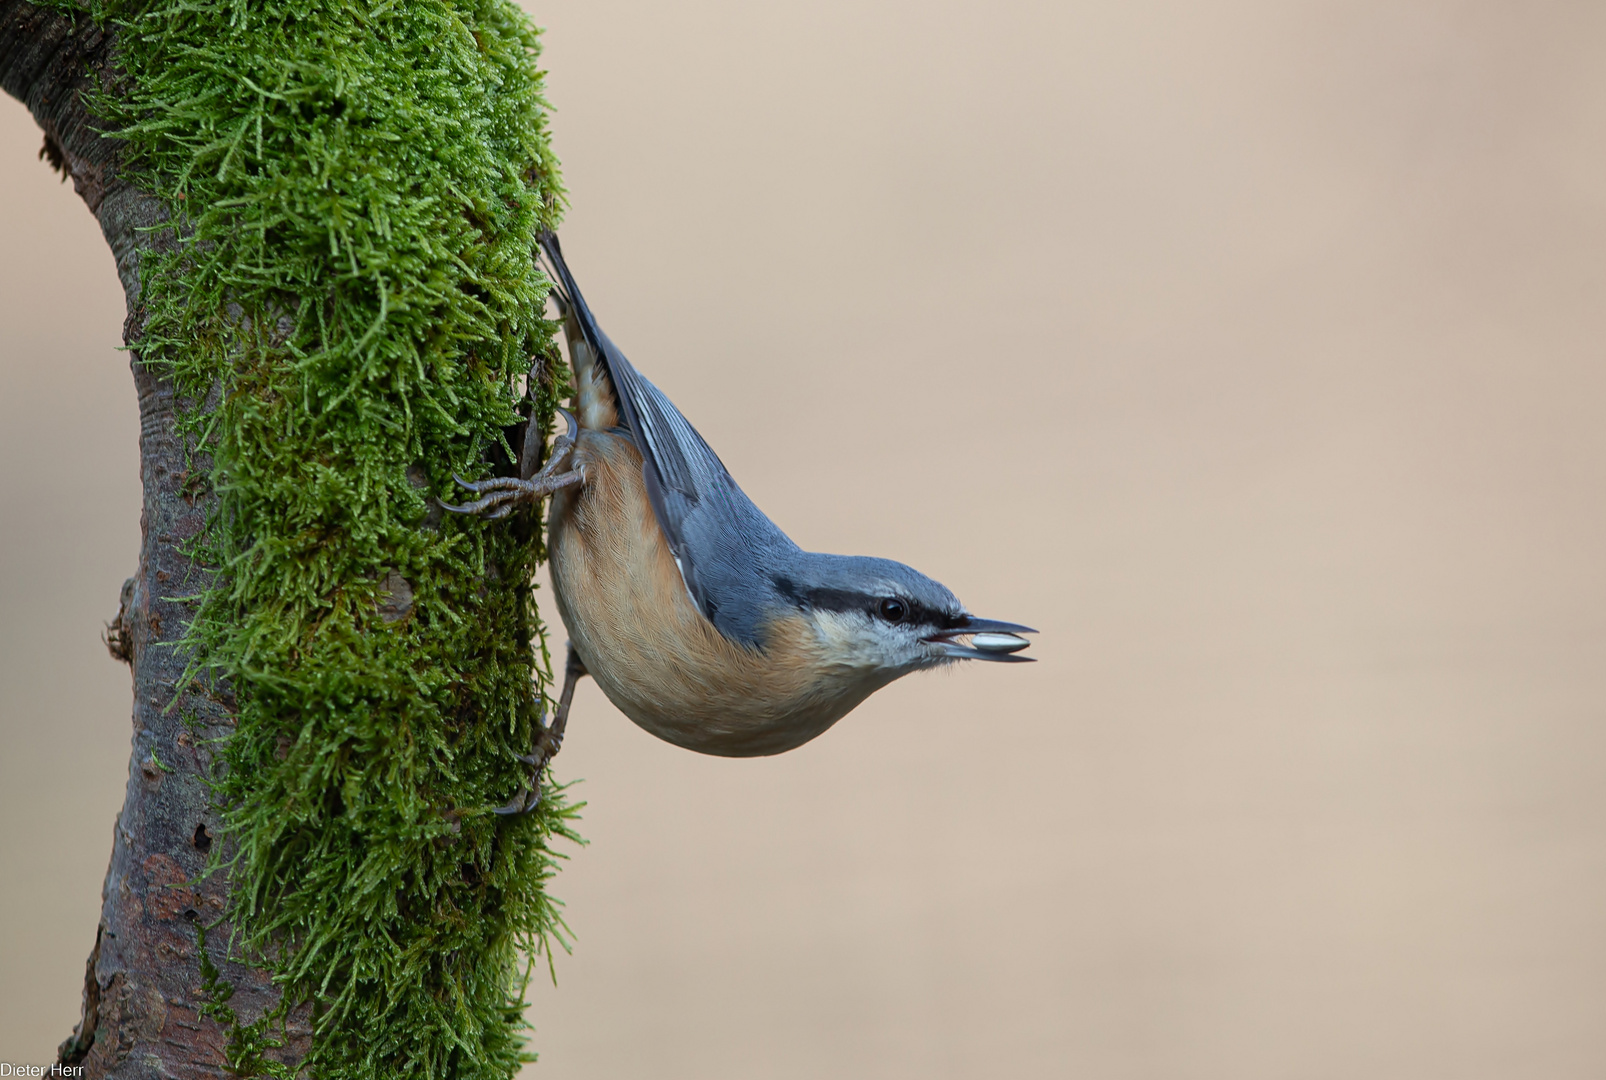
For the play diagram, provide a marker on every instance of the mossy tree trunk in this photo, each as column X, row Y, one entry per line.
column 328, row 694
column 141, row 1009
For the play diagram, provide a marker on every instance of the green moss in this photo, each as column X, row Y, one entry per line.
column 347, row 318
column 249, row 1047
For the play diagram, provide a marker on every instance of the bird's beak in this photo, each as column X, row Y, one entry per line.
column 990, row 639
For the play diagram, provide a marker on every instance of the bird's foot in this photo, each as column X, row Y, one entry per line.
column 560, row 445
column 548, row 741
column 529, row 798
column 501, row 495
column 547, row 745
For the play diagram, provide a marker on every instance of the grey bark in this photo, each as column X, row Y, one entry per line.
column 142, row 985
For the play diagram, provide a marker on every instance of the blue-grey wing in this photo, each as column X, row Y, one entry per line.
column 719, row 538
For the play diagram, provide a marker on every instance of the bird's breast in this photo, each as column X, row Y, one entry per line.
column 653, row 652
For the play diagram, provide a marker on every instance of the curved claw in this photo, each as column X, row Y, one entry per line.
column 523, row 803
column 495, row 498
column 570, row 425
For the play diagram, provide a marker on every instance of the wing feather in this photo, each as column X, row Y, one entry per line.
column 716, row 533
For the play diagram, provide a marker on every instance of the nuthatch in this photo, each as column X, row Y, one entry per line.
column 699, row 618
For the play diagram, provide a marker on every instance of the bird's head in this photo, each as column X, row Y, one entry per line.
column 884, row 619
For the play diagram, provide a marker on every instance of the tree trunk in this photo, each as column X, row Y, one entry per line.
column 347, row 314
column 142, row 982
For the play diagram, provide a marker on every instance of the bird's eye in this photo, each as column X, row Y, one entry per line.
column 892, row 609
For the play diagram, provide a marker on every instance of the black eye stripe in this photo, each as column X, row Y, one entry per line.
column 845, row 600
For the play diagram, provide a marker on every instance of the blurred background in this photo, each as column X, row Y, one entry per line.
column 1251, row 351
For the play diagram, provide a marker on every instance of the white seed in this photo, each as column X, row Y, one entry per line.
column 1004, row 643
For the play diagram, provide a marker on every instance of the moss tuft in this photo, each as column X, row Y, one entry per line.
column 347, row 316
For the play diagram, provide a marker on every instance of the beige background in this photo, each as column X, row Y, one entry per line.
column 1252, row 351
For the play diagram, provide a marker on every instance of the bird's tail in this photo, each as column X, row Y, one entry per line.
column 596, row 402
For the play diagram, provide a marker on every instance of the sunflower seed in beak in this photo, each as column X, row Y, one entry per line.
column 998, row 643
